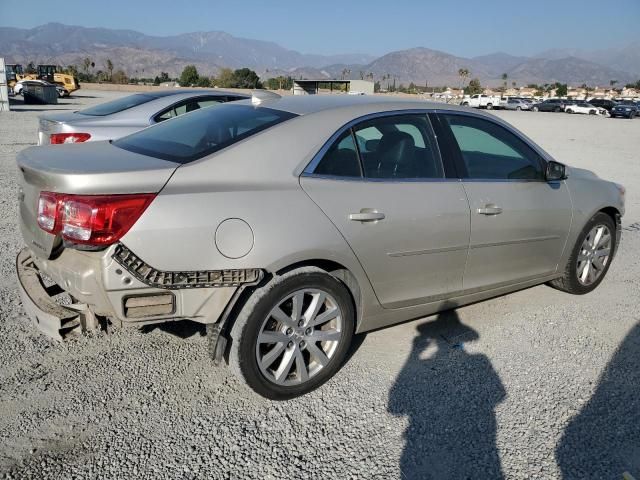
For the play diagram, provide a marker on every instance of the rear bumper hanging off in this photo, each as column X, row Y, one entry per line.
column 53, row 319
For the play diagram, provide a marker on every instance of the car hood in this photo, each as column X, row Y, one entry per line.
column 581, row 173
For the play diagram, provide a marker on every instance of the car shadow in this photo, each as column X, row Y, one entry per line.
column 449, row 397
column 603, row 440
column 180, row 328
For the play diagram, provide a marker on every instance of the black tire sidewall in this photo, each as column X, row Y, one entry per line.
column 247, row 342
column 598, row 219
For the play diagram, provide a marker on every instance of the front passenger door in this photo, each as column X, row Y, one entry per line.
column 519, row 222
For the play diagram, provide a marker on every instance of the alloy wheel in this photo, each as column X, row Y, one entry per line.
column 594, row 255
column 299, row 337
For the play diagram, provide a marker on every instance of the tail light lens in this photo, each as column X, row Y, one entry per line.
column 60, row 138
column 95, row 220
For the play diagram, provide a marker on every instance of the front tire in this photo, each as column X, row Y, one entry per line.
column 489, row 106
column 590, row 258
column 535, row 109
column 293, row 334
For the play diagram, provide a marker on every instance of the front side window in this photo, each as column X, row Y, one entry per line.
column 490, row 151
column 206, row 130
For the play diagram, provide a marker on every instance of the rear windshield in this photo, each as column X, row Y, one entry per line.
column 194, row 135
column 117, row 105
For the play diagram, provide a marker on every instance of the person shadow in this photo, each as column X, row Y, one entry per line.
column 603, row 440
column 449, row 397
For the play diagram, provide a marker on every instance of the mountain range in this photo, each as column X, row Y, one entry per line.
column 142, row 55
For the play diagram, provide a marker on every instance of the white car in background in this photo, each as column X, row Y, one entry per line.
column 17, row 88
column 584, row 107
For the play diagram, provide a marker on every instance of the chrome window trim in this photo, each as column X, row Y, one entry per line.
column 311, row 166
column 544, row 157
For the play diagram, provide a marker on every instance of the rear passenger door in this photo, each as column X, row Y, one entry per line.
column 519, row 221
column 381, row 181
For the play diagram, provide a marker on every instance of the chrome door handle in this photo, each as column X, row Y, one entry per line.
column 366, row 215
column 490, row 209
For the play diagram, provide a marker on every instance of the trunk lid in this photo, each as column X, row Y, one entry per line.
column 54, row 123
column 84, row 169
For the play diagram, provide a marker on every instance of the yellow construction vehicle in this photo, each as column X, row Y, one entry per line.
column 49, row 73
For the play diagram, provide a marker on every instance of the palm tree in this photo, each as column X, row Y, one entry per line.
column 504, row 80
column 109, row 65
column 463, row 73
column 86, row 63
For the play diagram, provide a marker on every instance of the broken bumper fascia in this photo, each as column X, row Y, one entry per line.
column 99, row 288
column 53, row 319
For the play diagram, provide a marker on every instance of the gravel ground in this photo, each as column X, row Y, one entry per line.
column 536, row 385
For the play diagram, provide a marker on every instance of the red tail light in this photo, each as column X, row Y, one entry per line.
column 59, row 138
column 96, row 220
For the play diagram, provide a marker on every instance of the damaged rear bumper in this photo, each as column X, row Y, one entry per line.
column 50, row 317
column 103, row 286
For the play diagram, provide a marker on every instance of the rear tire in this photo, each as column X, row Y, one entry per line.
column 535, row 109
column 296, row 361
column 591, row 255
column 489, row 106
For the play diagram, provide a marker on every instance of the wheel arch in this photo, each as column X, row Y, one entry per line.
column 336, row 270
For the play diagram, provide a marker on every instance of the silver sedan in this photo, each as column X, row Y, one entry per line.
column 120, row 117
column 289, row 225
column 517, row 104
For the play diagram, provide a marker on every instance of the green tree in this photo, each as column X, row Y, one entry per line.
column 246, row 78
column 86, row 64
column 561, row 89
column 189, row 76
column 225, row 78
column 505, row 77
column 204, row 82
column 474, row 87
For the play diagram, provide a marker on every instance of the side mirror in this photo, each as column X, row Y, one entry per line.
column 555, row 171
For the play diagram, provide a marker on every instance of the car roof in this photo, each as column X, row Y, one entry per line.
column 190, row 92
column 307, row 104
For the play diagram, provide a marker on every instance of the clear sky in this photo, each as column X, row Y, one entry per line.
column 462, row 27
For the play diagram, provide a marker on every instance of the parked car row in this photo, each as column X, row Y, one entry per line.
column 613, row 108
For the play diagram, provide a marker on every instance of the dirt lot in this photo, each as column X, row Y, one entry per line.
column 535, row 385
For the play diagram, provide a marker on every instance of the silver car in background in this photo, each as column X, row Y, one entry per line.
column 517, row 104
column 289, row 225
column 122, row 116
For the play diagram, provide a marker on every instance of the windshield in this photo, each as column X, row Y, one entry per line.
column 194, row 135
column 117, row 105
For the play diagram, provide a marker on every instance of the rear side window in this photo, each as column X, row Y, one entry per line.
column 398, row 147
column 490, row 151
column 202, row 132
column 341, row 160
column 117, row 105
column 388, row 147
column 188, row 106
